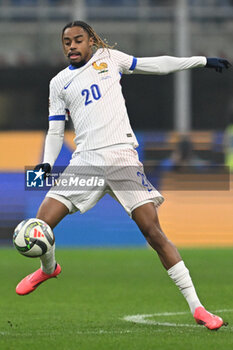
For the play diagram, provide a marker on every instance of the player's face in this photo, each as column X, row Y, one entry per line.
column 77, row 46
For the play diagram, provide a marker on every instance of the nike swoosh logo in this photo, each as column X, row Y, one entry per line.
column 66, row 86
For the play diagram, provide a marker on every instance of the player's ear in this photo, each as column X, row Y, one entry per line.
column 91, row 41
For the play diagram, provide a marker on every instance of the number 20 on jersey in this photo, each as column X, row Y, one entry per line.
column 91, row 94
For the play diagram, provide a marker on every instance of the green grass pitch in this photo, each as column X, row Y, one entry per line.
column 84, row 308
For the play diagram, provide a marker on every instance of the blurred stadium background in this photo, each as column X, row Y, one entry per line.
column 185, row 113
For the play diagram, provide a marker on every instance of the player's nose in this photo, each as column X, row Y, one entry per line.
column 73, row 45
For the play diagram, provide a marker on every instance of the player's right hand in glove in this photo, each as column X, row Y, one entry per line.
column 217, row 63
column 45, row 168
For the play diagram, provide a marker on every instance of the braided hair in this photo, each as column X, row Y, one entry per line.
column 98, row 42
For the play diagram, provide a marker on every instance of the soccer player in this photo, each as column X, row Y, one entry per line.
column 89, row 88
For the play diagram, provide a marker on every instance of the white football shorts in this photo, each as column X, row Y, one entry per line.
column 115, row 170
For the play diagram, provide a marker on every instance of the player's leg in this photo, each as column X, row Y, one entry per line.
column 146, row 218
column 52, row 212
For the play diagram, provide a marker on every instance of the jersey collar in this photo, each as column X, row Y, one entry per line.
column 71, row 67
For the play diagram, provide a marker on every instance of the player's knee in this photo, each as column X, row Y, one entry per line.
column 46, row 219
column 51, row 211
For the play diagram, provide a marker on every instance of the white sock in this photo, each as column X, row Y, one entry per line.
column 48, row 261
column 180, row 275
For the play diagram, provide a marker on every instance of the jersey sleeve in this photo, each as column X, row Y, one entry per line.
column 53, row 141
column 57, row 109
column 167, row 64
column 126, row 63
column 57, row 116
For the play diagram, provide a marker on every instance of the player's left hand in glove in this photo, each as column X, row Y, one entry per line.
column 46, row 168
column 217, row 63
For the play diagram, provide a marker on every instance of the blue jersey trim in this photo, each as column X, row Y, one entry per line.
column 72, row 67
column 57, row 117
column 133, row 65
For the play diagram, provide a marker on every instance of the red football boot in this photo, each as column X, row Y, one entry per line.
column 207, row 319
column 32, row 281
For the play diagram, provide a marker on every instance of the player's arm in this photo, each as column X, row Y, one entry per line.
column 53, row 145
column 169, row 64
column 164, row 64
column 54, row 141
column 55, row 134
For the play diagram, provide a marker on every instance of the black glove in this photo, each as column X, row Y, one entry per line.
column 45, row 167
column 217, row 63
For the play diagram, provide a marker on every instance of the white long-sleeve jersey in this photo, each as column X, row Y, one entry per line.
column 92, row 96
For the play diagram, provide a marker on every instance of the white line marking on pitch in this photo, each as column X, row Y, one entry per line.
column 143, row 319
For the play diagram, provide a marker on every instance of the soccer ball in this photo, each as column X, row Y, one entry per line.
column 33, row 238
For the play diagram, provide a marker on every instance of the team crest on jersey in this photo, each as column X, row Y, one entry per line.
column 101, row 68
